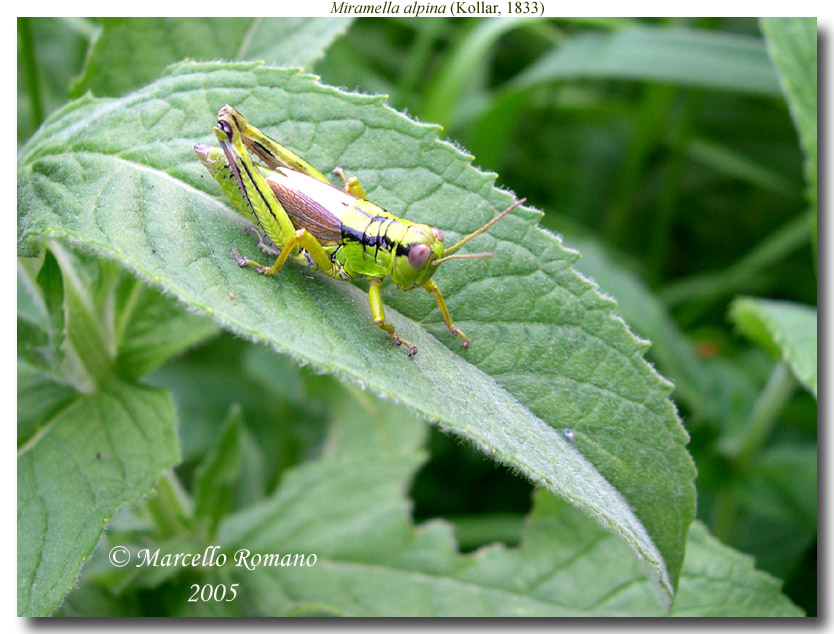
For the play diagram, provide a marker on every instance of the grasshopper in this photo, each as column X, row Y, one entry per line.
column 301, row 217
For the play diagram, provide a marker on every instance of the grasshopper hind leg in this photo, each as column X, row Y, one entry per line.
column 243, row 261
column 265, row 245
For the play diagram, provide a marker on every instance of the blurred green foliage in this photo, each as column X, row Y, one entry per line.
column 683, row 189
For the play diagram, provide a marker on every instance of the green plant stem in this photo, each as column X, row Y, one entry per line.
column 670, row 192
column 428, row 32
column 780, row 386
column 444, row 93
column 30, row 69
column 732, row 163
column 724, row 513
column 169, row 507
column 740, row 448
column 85, row 28
column 651, row 123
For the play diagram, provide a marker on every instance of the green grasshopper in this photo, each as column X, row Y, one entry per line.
column 301, row 217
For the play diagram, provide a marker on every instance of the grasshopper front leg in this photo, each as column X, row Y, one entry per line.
column 378, row 315
column 431, row 287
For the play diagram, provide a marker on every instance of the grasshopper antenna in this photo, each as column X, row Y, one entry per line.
column 476, row 233
column 464, row 256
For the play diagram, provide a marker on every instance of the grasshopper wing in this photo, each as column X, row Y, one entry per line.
column 311, row 204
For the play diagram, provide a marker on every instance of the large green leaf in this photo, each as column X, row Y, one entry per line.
column 119, row 177
column 130, row 52
column 785, row 329
column 266, row 386
column 94, row 454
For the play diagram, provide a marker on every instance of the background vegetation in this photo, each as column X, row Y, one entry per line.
column 678, row 157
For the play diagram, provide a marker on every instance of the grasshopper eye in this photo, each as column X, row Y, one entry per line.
column 419, row 255
column 225, row 127
column 437, row 233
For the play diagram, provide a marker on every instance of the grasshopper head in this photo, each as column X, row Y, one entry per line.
column 230, row 127
column 422, row 251
column 211, row 157
column 414, row 262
